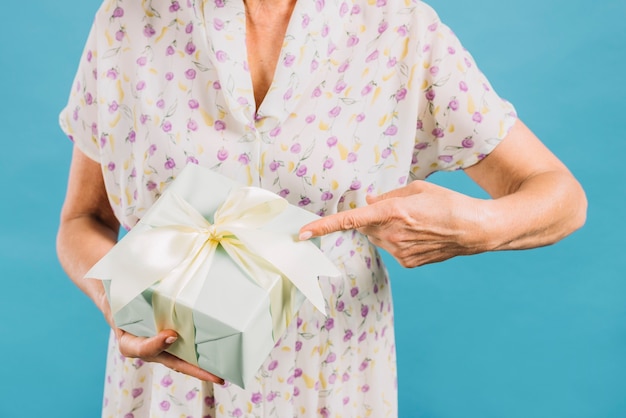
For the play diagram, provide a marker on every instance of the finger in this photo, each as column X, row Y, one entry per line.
column 343, row 221
column 179, row 365
column 146, row 348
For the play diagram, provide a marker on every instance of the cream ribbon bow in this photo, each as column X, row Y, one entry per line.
column 177, row 249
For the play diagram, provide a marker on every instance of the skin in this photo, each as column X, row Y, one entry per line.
column 536, row 201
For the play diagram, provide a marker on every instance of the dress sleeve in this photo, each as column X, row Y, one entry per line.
column 79, row 118
column 461, row 118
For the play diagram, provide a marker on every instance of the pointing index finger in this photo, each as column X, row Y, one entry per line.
column 342, row 221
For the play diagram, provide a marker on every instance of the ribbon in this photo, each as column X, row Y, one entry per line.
column 174, row 248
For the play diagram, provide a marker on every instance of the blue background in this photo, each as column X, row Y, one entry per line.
column 538, row 333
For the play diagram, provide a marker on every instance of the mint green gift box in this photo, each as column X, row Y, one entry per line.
column 220, row 264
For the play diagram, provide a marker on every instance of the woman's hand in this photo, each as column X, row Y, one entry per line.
column 417, row 224
column 536, row 201
column 152, row 349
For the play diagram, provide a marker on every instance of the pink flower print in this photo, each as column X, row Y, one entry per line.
column 354, row 291
column 304, row 202
column 244, row 159
column 334, row 112
column 190, row 74
column 129, row 415
column 298, row 345
column 169, row 51
column 367, row 89
column 151, row 185
column 381, row 3
column 88, row 98
column 430, row 95
column 330, row 324
column 217, row 85
column 324, row 411
column 113, row 107
column 193, row 104
column 170, row 164
column 438, row 132
column 343, row 9
column 363, row 365
column 209, row 401
column 167, row 126
column 401, row 94
column 314, row 65
column 192, row 125
column 296, row 148
column 143, row 119
column 284, row 193
column 467, row 142
column 419, row 125
column 274, row 165
column 341, row 306
column 256, row 398
column 111, row 166
column 345, row 377
column 237, row 413
column 454, row 104
column 148, row 30
column 119, row 35
column 301, row 171
column 152, row 149
column 190, row 48
column 222, row 154
column 306, row 19
column 112, row 74
column 451, row 50
column 160, row 103
column 289, row 60
column 344, row 66
column 141, row 61
column 191, row 394
column 219, row 3
column 371, row 57
column 352, row 41
column 352, row 157
column 331, row 357
column 391, row 130
column 296, row 391
column 218, row 24
column 220, row 125
column 118, row 12
column 310, row 119
column 272, row 366
column 132, row 136
column 221, row 56
column 332, row 141
column 169, row 76
column 133, row 173
column 166, row 381
column 362, row 337
column 317, row 92
column 386, row 153
column 189, row 28
column 462, row 86
column 446, row 158
column 356, row 9
column 477, row 117
column 347, row 336
column 275, row 132
column 288, row 94
column 332, row 378
column 319, row 5
column 340, row 86
column 174, row 7
column 297, row 372
column 328, row 164
column 360, row 117
column 382, row 26
column 136, row 392
column 365, row 388
column 271, row 396
column 325, row 30
column 434, row 70
column 141, row 85
column 468, row 63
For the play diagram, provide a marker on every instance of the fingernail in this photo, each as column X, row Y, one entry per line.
column 305, row 235
column 170, row 340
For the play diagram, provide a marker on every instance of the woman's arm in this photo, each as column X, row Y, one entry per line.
column 87, row 231
column 536, row 201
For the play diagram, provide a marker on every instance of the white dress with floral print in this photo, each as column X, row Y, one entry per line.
column 367, row 95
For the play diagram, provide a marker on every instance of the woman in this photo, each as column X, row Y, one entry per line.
column 334, row 105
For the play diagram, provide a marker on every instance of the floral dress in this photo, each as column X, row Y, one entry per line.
column 367, row 95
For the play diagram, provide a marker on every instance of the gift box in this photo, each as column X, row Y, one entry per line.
column 220, row 264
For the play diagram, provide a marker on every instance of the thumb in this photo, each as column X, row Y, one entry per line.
column 412, row 188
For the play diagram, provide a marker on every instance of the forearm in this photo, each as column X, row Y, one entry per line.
column 544, row 209
column 81, row 242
